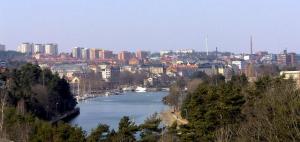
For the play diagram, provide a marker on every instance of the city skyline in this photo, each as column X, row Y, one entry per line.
column 152, row 25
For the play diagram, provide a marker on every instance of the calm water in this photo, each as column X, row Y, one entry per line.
column 109, row 110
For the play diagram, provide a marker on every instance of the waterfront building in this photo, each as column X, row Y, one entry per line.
column 2, row 47
column 26, row 48
column 39, row 49
column 51, row 49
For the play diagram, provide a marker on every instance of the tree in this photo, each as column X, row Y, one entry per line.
column 273, row 114
column 150, row 131
column 99, row 134
column 126, row 131
column 210, row 108
column 37, row 91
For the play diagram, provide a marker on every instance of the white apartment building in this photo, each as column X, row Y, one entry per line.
column 26, row 48
column 85, row 54
column 39, row 48
column 51, row 49
column 109, row 73
column 77, row 52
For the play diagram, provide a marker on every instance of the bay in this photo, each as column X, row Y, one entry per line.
column 110, row 109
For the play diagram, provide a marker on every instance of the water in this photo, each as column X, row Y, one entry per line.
column 109, row 110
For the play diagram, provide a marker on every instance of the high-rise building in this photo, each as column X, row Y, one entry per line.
column 26, row 48
column 39, row 48
column 124, row 56
column 292, row 59
column 286, row 58
column 2, row 47
column 77, row 52
column 94, row 54
column 105, row 54
column 85, row 54
column 51, row 49
column 281, row 59
column 141, row 54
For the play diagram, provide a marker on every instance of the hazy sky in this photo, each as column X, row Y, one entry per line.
column 153, row 24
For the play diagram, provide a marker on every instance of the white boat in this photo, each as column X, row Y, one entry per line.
column 140, row 89
column 107, row 94
column 127, row 89
column 165, row 89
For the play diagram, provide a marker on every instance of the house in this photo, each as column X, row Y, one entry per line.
column 212, row 68
column 157, row 69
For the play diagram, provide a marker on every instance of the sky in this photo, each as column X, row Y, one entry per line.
column 153, row 25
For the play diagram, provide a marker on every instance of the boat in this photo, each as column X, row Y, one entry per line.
column 165, row 89
column 107, row 94
column 140, row 89
column 127, row 89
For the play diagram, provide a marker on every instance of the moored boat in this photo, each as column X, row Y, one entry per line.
column 140, row 89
